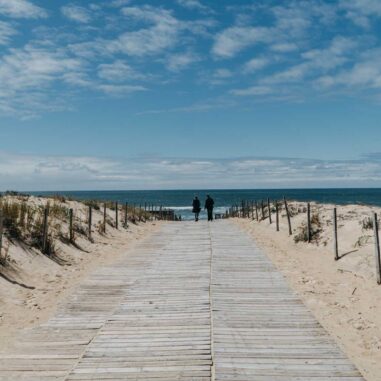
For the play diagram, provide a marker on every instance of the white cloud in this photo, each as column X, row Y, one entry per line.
column 118, row 71
column 6, row 33
column 252, row 91
column 76, row 13
column 232, row 40
column 223, row 73
column 365, row 74
column 361, row 11
column 21, row 9
column 120, row 3
column 285, row 47
column 255, row 64
column 27, row 74
column 180, row 61
column 193, row 4
column 317, row 61
column 119, row 90
column 162, row 33
column 290, row 27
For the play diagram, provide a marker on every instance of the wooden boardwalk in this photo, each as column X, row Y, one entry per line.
column 193, row 302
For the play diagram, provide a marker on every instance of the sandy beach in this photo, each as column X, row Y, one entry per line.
column 33, row 284
column 343, row 295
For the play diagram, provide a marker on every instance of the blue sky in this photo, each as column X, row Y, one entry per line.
column 132, row 94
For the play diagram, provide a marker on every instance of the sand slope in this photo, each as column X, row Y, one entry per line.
column 32, row 284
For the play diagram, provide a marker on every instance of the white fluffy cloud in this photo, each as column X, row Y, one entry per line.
column 6, row 33
column 76, row 13
column 360, row 11
column 118, row 71
column 179, row 61
column 255, row 64
column 254, row 90
column 193, row 4
column 21, row 9
column 232, row 40
column 26, row 75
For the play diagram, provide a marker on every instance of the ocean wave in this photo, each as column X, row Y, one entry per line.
column 179, row 207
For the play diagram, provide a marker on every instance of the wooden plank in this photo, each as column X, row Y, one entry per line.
column 261, row 329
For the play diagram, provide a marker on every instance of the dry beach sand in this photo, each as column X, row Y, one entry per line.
column 33, row 284
column 343, row 295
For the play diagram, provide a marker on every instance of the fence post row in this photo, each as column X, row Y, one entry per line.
column 71, row 235
column 377, row 248
column 309, row 222
column 116, row 215
column 277, row 215
column 269, row 209
column 104, row 217
column 90, row 219
column 263, row 210
column 1, row 230
column 288, row 216
column 45, row 230
column 335, row 241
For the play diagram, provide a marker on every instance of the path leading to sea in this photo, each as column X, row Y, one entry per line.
column 193, row 302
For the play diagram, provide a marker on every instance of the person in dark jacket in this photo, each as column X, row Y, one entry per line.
column 196, row 208
column 209, row 205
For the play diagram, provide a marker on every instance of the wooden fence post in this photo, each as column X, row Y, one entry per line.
column 309, row 222
column 252, row 210
column 269, row 209
column 1, row 230
column 377, row 248
column 116, row 215
column 263, row 210
column 288, row 216
column 277, row 215
column 104, row 217
column 126, row 215
column 90, row 220
column 335, row 241
column 45, row 230
column 256, row 210
column 71, row 232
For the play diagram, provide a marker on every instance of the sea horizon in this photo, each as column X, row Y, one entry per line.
column 181, row 200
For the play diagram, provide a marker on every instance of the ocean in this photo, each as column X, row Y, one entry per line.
column 181, row 200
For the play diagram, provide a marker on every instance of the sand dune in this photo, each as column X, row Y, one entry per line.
column 32, row 284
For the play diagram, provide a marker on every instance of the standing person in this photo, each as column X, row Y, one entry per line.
column 196, row 208
column 209, row 205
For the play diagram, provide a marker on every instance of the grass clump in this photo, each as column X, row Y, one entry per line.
column 366, row 223
column 316, row 229
column 93, row 203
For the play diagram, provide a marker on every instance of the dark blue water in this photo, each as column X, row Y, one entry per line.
column 181, row 200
